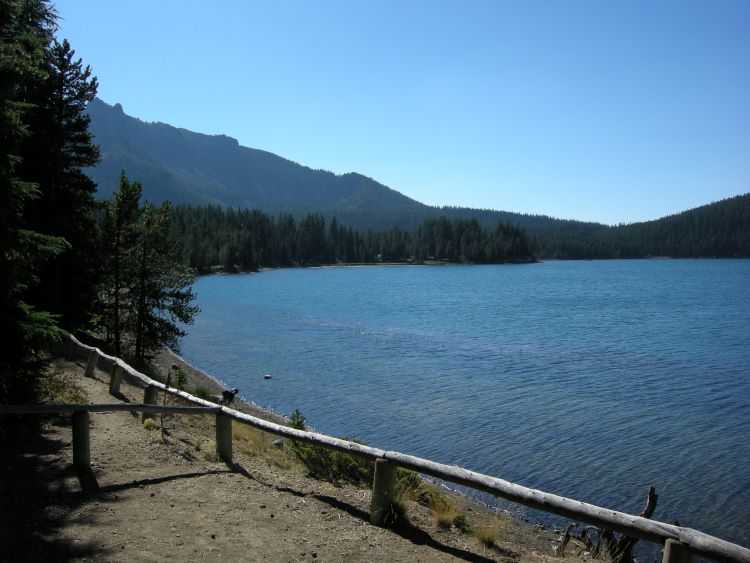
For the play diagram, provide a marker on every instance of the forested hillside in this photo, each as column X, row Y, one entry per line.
column 194, row 169
column 250, row 239
column 720, row 229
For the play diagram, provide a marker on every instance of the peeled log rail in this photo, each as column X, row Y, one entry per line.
column 118, row 407
column 635, row 526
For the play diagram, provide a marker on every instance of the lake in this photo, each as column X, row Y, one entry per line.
column 591, row 380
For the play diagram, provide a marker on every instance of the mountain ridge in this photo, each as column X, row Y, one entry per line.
column 182, row 166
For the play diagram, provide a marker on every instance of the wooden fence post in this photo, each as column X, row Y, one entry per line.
column 676, row 552
column 149, row 398
column 114, row 383
column 224, row 438
column 383, row 492
column 91, row 364
column 81, row 445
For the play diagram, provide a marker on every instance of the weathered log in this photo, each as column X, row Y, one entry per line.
column 560, row 549
column 622, row 552
column 108, row 407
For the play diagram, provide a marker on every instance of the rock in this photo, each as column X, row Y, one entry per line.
column 278, row 443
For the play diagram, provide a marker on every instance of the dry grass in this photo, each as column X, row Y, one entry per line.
column 254, row 442
column 444, row 511
column 208, row 449
column 489, row 531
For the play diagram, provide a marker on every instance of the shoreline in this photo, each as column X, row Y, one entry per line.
column 199, row 377
column 218, row 270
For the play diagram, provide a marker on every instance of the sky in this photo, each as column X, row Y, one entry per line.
column 609, row 111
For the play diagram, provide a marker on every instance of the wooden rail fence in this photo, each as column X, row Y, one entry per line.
column 680, row 543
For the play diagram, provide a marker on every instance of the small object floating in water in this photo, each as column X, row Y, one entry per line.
column 267, row 376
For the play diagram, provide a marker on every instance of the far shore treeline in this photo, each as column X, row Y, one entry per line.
column 211, row 237
column 246, row 240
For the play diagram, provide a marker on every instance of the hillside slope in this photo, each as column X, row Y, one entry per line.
column 185, row 167
column 192, row 168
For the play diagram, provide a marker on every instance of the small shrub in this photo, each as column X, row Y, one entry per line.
column 327, row 464
column 334, row 466
column 180, row 378
column 411, row 487
column 63, row 387
column 297, row 420
column 487, row 534
column 208, row 448
column 149, row 424
column 462, row 524
column 202, row 392
column 444, row 511
column 254, row 442
column 396, row 515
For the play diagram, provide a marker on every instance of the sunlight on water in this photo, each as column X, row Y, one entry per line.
column 587, row 379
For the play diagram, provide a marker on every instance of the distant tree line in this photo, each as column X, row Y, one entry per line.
column 236, row 239
column 720, row 229
column 68, row 261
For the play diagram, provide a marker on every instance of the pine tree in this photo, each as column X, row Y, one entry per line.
column 119, row 239
column 162, row 292
column 26, row 29
column 54, row 156
column 147, row 293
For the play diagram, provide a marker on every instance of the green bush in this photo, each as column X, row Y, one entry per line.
column 63, row 387
column 180, row 378
column 202, row 392
column 332, row 465
column 461, row 522
column 297, row 420
column 410, row 486
column 328, row 464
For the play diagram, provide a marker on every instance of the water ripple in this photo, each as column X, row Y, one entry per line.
column 589, row 379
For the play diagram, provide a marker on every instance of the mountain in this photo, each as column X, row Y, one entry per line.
column 185, row 167
column 196, row 169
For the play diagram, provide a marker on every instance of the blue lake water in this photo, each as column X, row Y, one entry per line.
column 591, row 380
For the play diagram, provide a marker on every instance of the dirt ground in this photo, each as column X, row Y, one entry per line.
column 152, row 498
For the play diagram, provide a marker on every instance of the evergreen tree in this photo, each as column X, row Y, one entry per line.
column 162, row 293
column 54, row 155
column 26, row 29
column 119, row 239
column 147, row 292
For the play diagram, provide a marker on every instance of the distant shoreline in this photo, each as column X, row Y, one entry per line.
column 218, row 270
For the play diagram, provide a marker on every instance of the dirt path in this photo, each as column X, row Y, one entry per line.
column 160, row 499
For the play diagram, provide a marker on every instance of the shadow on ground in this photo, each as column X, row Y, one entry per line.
column 38, row 491
column 403, row 528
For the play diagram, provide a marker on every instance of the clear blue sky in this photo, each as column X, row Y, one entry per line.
column 614, row 111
